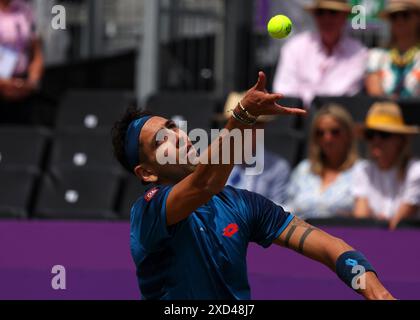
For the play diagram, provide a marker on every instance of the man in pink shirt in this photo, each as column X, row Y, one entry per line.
column 21, row 61
column 327, row 63
column 21, row 67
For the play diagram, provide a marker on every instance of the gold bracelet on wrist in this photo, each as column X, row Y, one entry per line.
column 246, row 112
column 242, row 119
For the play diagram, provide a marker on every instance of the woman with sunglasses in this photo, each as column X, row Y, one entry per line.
column 320, row 186
column 395, row 72
column 388, row 185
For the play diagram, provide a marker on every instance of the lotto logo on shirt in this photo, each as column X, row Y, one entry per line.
column 230, row 230
column 150, row 194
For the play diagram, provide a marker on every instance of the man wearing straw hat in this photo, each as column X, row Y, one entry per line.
column 327, row 62
column 387, row 187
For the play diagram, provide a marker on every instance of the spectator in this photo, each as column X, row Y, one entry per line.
column 272, row 182
column 313, row 64
column 387, row 186
column 320, row 186
column 395, row 72
column 21, row 60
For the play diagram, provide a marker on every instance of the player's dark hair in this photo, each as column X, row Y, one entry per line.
column 118, row 133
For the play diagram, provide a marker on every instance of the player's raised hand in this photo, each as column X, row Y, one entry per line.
column 257, row 101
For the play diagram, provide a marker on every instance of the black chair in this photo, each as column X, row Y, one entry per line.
column 411, row 111
column 285, row 145
column 16, row 192
column 92, row 109
column 415, row 146
column 196, row 108
column 290, row 123
column 78, row 150
column 357, row 106
column 75, row 194
column 132, row 190
column 22, row 148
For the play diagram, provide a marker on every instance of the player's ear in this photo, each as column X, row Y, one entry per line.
column 145, row 174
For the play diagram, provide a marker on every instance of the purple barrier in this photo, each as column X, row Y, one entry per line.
column 98, row 264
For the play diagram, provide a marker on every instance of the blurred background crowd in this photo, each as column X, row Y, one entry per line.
column 354, row 156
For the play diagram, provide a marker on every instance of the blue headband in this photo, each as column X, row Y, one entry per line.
column 132, row 140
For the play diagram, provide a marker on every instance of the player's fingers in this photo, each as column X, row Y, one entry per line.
column 291, row 110
column 262, row 81
column 277, row 110
column 274, row 97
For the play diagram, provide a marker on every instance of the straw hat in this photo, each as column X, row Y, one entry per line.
column 386, row 116
column 337, row 5
column 232, row 101
column 400, row 5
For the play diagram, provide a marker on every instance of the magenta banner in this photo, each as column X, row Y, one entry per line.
column 97, row 263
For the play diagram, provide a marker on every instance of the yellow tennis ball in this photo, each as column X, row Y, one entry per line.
column 279, row 26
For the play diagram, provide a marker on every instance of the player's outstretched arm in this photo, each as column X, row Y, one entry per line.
column 210, row 176
column 335, row 254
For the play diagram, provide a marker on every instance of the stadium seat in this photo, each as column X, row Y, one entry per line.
column 16, row 190
column 358, row 106
column 92, row 110
column 286, row 145
column 411, row 113
column 196, row 108
column 79, row 150
column 411, row 110
column 415, row 146
column 290, row 122
column 131, row 191
column 75, row 194
column 22, row 148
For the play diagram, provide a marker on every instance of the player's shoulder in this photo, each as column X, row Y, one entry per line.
column 153, row 195
column 235, row 195
column 241, row 196
column 229, row 191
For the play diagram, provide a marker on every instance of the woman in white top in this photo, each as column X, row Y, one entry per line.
column 320, row 186
column 387, row 186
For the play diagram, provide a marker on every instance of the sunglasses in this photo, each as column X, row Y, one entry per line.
column 324, row 12
column 334, row 132
column 400, row 14
column 371, row 134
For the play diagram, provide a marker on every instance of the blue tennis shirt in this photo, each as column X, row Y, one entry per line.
column 203, row 256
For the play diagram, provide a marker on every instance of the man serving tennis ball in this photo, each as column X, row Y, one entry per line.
column 190, row 233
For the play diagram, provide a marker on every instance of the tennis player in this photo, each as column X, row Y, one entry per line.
column 190, row 233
